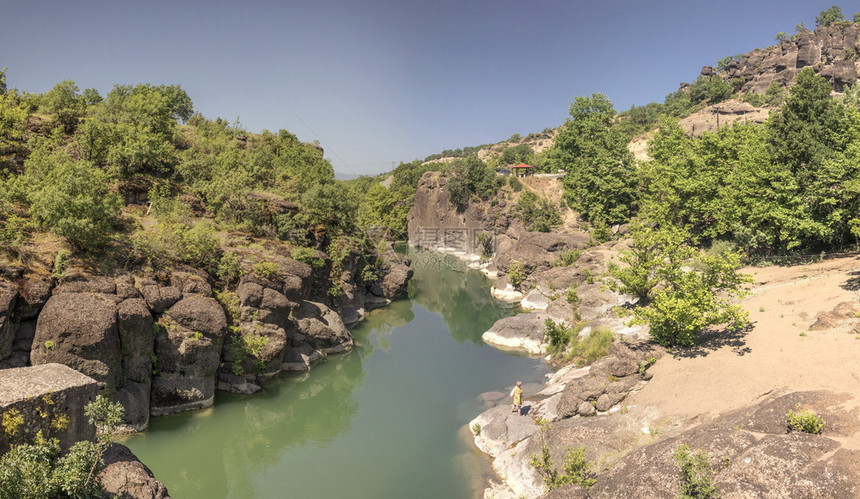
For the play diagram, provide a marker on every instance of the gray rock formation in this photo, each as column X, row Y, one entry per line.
column 79, row 329
column 125, row 477
column 751, row 453
column 188, row 349
column 43, row 396
column 831, row 50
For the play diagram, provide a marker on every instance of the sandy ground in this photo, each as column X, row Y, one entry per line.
column 779, row 354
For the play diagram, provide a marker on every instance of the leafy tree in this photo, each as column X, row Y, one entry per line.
column 520, row 153
column 681, row 292
column 600, row 171
column 829, row 16
column 70, row 198
column 857, row 17
column 536, row 213
column 711, row 90
column 780, row 36
column 65, row 101
column 3, row 81
column 470, row 176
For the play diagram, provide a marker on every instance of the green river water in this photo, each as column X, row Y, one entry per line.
column 386, row 420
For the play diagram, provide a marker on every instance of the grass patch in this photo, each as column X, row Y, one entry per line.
column 565, row 343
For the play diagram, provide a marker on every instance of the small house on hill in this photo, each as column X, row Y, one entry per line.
column 521, row 170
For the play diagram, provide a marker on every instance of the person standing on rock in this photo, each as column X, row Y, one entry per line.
column 517, row 394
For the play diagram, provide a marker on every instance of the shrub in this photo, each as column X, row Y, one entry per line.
column 516, row 273
column 38, row 470
column 228, row 267
column 567, row 258
column 806, row 421
column 695, row 473
column 269, row 270
column 536, row 213
column 572, row 296
column 575, row 469
column 72, row 199
column 515, row 183
column 308, row 256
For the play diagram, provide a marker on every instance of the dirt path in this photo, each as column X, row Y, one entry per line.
column 779, row 354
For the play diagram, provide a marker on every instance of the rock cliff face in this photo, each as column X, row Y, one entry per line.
column 160, row 342
column 831, row 50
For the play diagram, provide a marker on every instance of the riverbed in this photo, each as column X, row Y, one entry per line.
column 383, row 421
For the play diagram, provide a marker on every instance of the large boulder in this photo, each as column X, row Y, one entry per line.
column 34, row 293
column 80, row 330
column 188, row 352
column 395, row 281
column 125, row 477
column 45, row 397
column 323, row 327
column 8, row 296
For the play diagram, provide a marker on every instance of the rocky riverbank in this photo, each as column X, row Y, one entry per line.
column 163, row 342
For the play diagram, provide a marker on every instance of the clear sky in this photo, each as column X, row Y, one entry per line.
column 379, row 82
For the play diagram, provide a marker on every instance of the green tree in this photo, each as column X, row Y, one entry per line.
column 3, row 81
column 66, row 102
column 711, row 90
column 600, row 179
column 829, row 16
column 71, row 198
column 470, row 176
column 681, row 291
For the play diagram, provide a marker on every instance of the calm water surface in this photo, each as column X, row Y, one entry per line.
column 383, row 421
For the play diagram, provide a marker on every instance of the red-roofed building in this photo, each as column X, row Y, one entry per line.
column 521, row 170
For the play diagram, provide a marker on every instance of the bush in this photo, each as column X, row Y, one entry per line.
column 567, row 258
column 536, row 213
column 575, row 469
column 516, row 273
column 806, row 421
column 695, row 473
column 308, row 256
column 71, row 199
column 37, row 470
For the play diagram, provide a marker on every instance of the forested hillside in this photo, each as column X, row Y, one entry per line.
column 137, row 179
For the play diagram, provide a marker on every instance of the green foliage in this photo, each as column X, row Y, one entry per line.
column 12, row 420
column 594, row 346
column 566, row 258
column 71, row 198
column 168, row 242
column 309, row 256
column 537, row 214
column 468, row 177
column 592, row 148
column 829, row 16
column 228, row 269
column 515, row 183
column 516, row 273
column 856, row 17
column 269, row 270
column 681, row 292
column 247, row 346
column 66, row 102
column 520, row 153
column 710, row 90
column 60, row 262
column 38, row 470
column 575, row 469
column 572, row 296
column 806, row 421
column 695, row 473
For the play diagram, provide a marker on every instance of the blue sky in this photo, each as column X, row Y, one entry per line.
column 379, row 82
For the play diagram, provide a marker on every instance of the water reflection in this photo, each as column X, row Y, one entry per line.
column 381, row 421
column 444, row 285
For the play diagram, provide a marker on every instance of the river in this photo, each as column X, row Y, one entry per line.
column 386, row 420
